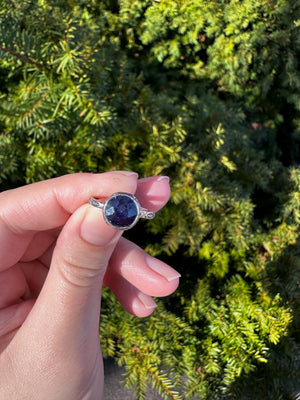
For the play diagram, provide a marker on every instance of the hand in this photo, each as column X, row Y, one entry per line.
column 55, row 252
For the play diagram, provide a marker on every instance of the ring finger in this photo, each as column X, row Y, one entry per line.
column 147, row 274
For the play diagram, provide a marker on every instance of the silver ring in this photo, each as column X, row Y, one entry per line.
column 122, row 210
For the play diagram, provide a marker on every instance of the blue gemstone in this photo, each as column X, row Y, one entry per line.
column 121, row 211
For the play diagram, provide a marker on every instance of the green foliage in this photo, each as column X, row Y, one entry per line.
column 206, row 92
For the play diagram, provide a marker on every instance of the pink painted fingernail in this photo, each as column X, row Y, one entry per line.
column 162, row 269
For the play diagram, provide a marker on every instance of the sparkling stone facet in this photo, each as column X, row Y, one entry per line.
column 121, row 211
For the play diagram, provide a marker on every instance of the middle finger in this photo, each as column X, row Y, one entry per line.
column 148, row 274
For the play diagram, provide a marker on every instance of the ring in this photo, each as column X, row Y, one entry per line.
column 122, row 210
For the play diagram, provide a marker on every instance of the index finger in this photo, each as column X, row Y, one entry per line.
column 47, row 205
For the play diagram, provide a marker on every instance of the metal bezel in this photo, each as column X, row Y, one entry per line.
column 137, row 204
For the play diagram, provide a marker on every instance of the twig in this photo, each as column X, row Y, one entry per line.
column 21, row 57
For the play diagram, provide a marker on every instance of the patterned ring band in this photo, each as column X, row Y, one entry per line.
column 122, row 210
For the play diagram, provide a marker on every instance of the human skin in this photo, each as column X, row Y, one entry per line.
column 56, row 252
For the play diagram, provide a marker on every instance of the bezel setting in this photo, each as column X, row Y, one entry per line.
column 114, row 213
column 109, row 216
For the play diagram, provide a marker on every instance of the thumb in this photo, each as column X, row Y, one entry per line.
column 60, row 337
column 68, row 307
column 79, row 262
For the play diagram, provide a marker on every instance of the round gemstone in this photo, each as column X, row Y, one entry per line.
column 121, row 211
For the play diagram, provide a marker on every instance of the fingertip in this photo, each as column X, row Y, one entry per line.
column 142, row 305
column 148, row 274
column 161, row 268
column 132, row 300
column 94, row 230
column 153, row 192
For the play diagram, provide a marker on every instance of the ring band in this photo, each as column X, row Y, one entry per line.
column 121, row 210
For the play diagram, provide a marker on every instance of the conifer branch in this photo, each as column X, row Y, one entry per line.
column 213, row 102
column 33, row 108
column 162, row 383
column 22, row 57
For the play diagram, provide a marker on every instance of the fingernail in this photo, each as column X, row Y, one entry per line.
column 155, row 186
column 125, row 173
column 129, row 173
column 147, row 301
column 94, row 230
column 162, row 269
column 163, row 178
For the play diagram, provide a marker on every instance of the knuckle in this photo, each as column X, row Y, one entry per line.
column 79, row 274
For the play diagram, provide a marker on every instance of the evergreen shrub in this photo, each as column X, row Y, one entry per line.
column 207, row 92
